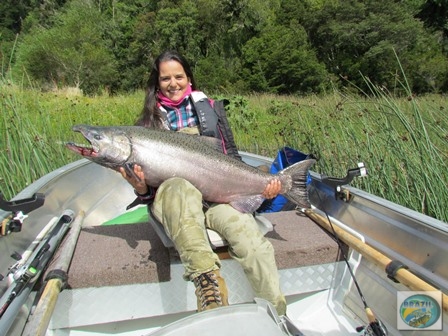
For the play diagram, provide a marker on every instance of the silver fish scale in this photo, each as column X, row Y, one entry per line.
column 194, row 144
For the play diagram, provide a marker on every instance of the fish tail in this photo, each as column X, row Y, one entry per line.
column 298, row 193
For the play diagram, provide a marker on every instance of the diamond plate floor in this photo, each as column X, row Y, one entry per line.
column 88, row 306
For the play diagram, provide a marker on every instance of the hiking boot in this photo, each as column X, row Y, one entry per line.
column 211, row 291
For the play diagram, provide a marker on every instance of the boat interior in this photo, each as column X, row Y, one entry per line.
column 125, row 278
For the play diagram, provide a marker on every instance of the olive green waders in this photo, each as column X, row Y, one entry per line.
column 178, row 206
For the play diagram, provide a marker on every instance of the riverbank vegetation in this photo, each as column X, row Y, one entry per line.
column 348, row 81
column 403, row 141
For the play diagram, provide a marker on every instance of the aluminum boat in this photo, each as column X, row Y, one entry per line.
column 75, row 262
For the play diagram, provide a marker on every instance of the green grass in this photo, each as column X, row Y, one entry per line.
column 35, row 126
column 401, row 140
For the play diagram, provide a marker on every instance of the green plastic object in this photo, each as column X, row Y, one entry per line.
column 139, row 215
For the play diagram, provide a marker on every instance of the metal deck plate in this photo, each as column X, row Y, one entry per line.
column 88, row 306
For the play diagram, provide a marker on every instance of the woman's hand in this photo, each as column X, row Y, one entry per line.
column 137, row 179
column 272, row 189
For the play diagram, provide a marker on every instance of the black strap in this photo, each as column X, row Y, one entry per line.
column 208, row 119
column 225, row 130
column 392, row 268
column 58, row 274
column 139, row 201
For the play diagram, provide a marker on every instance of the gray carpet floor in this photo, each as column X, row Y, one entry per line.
column 133, row 253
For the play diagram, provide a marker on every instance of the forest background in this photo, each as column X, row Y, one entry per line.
column 345, row 80
column 242, row 46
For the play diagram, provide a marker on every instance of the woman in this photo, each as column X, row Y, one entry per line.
column 170, row 103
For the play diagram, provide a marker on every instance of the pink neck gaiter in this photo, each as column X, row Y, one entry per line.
column 164, row 100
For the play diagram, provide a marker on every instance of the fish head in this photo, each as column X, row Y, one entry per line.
column 108, row 146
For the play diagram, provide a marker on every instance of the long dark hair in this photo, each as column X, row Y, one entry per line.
column 150, row 115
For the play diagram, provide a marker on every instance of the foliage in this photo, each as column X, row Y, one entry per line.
column 359, row 38
column 182, row 35
column 280, row 61
column 282, row 46
column 11, row 17
column 218, row 75
column 69, row 53
column 434, row 13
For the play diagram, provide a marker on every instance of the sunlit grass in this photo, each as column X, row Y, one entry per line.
column 401, row 140
column 35, row 126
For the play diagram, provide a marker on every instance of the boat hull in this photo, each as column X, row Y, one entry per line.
column 315, row 291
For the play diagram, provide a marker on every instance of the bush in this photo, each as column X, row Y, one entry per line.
column 71, row 53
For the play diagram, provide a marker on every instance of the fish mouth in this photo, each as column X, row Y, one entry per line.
column 83, row 150
column 89, row 150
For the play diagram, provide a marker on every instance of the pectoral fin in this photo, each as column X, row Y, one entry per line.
column 248, row 204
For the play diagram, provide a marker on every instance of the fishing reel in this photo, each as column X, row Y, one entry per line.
column 375, row 328
column 14, row 221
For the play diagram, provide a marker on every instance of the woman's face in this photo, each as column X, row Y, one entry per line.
column 173, row 81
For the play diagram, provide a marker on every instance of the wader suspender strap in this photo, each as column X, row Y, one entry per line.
column 213, row 121
column 165, row 122
column 224, row 128
column 208, row 119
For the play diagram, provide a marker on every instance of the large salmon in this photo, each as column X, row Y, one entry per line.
column 165, row 154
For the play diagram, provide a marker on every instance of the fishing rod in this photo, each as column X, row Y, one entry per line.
column 375, row 326
column 27, row 275
column 54, row 282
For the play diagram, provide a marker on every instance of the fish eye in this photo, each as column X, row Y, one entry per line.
column 97, row 137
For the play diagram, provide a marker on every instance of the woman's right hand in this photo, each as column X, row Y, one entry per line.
column 137, row 180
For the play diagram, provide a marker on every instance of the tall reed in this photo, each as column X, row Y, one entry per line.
column 401, row 140
column 27, row 152
column 35, row 126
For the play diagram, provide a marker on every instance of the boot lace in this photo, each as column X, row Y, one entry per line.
column 207, row 289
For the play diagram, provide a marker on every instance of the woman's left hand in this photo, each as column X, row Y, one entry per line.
column 272, row 189
column 137, row 180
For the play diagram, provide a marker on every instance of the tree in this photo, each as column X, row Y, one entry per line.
column 245, row 19
column 357, row 39
column 281, row 61
column 71, row 53
column 130, row 30
column 12, row 14
column 177, row 28
column 434, row 13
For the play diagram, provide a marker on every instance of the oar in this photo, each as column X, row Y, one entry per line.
column 56, row 280
column 402, row 275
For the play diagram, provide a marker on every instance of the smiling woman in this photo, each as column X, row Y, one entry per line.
column 174, row 83
column 183, row 172
column 170, row 82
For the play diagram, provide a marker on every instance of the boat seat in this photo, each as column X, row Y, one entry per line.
column 216, row 240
